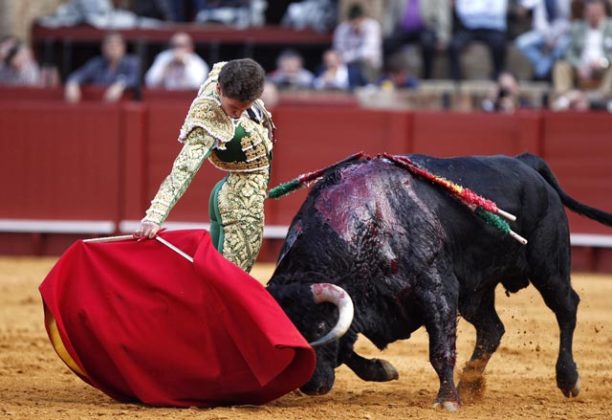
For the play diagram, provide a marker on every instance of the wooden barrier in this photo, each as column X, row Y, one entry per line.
column 454, row 134
column 60, row 161
column 578, row 148
column 310, row 138
column 93, row 168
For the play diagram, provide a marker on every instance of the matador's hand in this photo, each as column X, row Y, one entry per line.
column 147, row 230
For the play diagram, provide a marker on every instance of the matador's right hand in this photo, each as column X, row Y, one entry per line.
column 147, row 230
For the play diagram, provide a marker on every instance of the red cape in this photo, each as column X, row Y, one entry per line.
column 145, row 324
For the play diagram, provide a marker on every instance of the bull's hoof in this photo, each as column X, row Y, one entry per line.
column 375, row 370
column 472, row 387
column 574, row 391
column 472, row 384
column 450, row 406
column 568, row 379
column 390, row 373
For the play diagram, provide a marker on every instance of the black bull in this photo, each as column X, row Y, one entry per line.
column 410, row 255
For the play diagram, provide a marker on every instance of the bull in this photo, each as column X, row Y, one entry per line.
column 394, row 252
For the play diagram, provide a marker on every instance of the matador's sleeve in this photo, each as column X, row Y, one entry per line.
column 198, row 145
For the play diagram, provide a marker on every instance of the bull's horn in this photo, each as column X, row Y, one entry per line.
column 327, row 292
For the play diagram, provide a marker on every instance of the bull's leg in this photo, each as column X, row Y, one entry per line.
column 563, row 301
column 377, row 370
column 549, row 271
column 479, row 310
column 439, row 305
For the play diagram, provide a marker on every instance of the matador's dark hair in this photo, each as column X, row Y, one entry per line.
column 242, row 79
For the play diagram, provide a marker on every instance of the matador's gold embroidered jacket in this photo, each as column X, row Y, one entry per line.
column 243, row 148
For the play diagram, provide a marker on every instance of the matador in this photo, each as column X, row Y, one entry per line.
column 228, row 124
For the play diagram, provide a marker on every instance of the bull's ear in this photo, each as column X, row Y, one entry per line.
column 327, row 292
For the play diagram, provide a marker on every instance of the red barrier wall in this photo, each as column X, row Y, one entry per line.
column 454, row 134
column 311, row 138
column 105, row 162
column 55, row 156
column 578, row 148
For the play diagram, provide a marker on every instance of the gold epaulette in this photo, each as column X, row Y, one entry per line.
column 206, row 112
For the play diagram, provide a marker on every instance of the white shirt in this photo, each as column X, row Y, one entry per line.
column 163, row 74
column 340, row 80
column 482, row 14
column 593, row 46
column 363, row 45
column 559, row 26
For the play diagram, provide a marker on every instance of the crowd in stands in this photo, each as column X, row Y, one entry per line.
column 568, row 43
column 178, row 67
column 114, row 69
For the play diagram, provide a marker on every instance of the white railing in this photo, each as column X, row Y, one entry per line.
column 107, row 227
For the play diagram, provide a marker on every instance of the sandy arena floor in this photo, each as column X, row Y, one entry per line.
column 35, row 384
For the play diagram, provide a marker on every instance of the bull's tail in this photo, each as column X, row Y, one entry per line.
column 542, row 168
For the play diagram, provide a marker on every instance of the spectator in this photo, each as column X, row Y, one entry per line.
column 336, row 75
column 359, row 42
column 426, row 22
column 169, row 10
column 320, row 15
column 505, row 97
column 18, row 66
column 270, row 95
column 549, row 39
column 398, row 74
column 98, row 13
column 590, row 51
column 480, row 20
column 290, row 72
column 572, row 100
column 178, row 68
column 237, row 13
column 165, row 10
column 6, row 43
column 115, row 69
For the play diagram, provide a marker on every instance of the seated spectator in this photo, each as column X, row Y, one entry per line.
column 290, row 72
column 166, row 10
column 572, row 100
column 178, row 68
column 114, row 68
column 270, row 95
column 359, row 42
column 18, row 66
column 6, row 43
column 589, row 55
column 549, row 39
column 480, row 20
column 505, row 97
column 320, row 15
column 336, row 75
column 237, row 13
column 98, row 13
column 425, row 22
column 398, row 74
